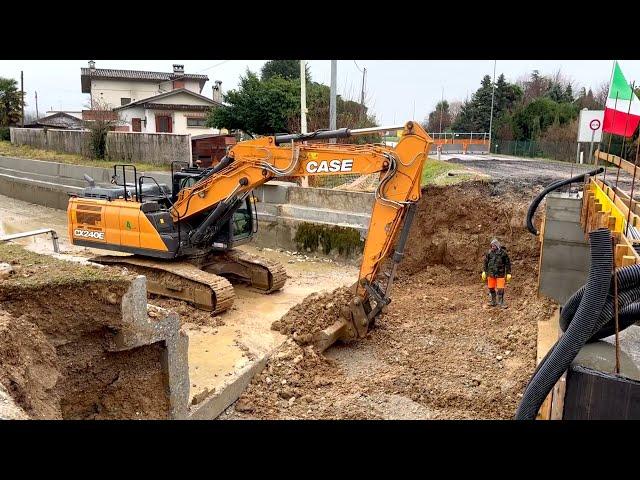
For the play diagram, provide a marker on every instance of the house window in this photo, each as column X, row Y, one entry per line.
column 196, row 122
column 178, row 84
column 164, row 124
column 136, row 124
column 125, row 101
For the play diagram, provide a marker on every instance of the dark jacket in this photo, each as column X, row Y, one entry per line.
column 497, row 263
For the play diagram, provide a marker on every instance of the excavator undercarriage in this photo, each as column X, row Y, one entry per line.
column 206, row 281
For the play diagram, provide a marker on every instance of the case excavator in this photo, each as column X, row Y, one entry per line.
column 183, row 238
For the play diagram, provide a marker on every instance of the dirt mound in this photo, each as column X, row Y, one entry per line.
column 440, row 352
column 454, row 225
column 315, row 313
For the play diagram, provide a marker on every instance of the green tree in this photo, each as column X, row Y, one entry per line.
column 261, row 107
column 439, row 119
column 289, row 69
column 10, row 102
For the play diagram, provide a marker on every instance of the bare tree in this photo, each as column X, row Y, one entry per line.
column 100, row 120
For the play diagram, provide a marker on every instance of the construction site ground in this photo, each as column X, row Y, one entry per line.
column 221, row 348
column 440, row 352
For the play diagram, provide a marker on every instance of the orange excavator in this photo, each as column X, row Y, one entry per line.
column 183, row 239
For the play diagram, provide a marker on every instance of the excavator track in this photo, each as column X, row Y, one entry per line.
column 259, row 273
column 180, row 280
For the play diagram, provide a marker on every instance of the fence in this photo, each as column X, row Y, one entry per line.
column 153, row 148
column 564, row 151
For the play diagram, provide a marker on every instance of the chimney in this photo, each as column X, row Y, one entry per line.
column 217, row 91
column 92, row 65
column 178, row 68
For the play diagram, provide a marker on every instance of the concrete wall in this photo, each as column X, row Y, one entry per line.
column 565, row 252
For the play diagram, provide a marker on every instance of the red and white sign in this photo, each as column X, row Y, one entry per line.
column 590, row 126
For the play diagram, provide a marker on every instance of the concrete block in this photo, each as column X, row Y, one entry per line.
column 325, row 215
column 273, row 192
column 38, row 192
column 564, row 231
column 561, row 284
column 356, row 202
column 145, row 324
column 218, row 401
column 565, row 255
column 564, row 215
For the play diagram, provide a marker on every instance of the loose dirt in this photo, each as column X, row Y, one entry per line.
column 440, row 352
column 316, row 312
column 57, row 324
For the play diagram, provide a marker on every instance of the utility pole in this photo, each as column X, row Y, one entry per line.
column 364, row 76
column 37, row 114
column 441, row 110
column 22, row 94
column 332, row 98
column 303, row 107
column 303, row 97
column 493, row 92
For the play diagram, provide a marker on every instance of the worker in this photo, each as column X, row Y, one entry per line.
column 496, row 271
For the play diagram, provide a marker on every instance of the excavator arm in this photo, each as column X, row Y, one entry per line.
column 251, row 163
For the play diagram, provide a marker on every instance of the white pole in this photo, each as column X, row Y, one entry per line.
column 493, row 91
column 303, row 97
column 303, row 107
column 332, row 98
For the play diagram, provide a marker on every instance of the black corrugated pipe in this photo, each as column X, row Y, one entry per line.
column 554, row 186
column 628, row 302
column 579, row 331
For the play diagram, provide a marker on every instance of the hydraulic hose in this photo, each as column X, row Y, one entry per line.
column 580, row 329
column 554, row 186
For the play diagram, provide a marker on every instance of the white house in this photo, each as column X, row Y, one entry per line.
column 151, row 101
column 178, row 111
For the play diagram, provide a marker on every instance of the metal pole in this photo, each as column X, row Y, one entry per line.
column 633, row 182
column 626, row 125
column 441, row 110
column 493, row 91
column 303, row 108
column 593, row 133
column 22, row 94
column 615, row 303
column 332, row 98
column 364, row 76
column 37, row 114
column 303, row 97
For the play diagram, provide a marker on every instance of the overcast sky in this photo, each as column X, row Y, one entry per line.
column 397, row 90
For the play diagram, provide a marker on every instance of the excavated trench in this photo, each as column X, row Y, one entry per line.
column 57, row 357
column 440, row 352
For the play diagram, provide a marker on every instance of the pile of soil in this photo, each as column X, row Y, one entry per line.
column 57, row 326
column 315, row 313
column 440, row 352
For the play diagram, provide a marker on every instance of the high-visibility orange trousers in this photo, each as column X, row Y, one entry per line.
column 495, row 282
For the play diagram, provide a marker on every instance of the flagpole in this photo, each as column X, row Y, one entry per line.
column 626, row 125
column 633, row 182
column 613, row 69
column 615, row 105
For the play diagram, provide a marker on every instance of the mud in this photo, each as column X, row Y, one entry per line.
column 440, row 352
column 57, row 358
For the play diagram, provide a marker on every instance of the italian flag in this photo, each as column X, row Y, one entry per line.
column 622, row 112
